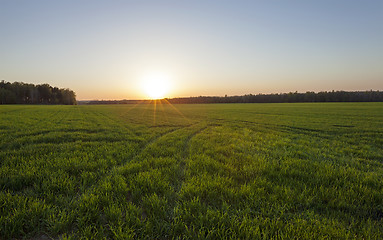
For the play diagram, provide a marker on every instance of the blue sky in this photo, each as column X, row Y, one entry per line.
column 103, row 49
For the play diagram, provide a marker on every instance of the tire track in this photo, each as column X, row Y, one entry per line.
column 11, row 140
column 185, row 155
column 108, row 117
column 115, row 168
column 182, row 170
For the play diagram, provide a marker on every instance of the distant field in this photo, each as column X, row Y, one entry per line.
column 249, row 171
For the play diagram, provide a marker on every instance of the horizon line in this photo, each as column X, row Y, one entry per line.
column 274, row 93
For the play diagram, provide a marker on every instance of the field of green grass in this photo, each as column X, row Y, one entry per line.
column 215, row 171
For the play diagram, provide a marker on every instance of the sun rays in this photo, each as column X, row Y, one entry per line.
column 157, row 110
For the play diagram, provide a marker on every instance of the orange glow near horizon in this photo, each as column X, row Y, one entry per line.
column 156, row 86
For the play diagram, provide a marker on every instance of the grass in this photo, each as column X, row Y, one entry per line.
column 249, row 171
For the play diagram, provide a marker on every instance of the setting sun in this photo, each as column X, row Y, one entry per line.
column 156, row 86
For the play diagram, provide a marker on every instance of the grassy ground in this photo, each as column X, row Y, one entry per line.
column 250, row 171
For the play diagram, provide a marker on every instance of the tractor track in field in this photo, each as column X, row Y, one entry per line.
column 185, row 155
column 115, row 168
column 55, row 116
column 130, row 130
column 60, row 116
column 182, row 168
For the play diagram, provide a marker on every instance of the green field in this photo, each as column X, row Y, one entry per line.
column 249, row 171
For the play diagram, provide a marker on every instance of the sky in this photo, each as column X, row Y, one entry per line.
column 106, row 49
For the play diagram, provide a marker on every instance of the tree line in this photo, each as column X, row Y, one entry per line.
column 291, row 97
column 27, row 93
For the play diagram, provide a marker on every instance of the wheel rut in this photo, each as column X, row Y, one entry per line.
column 185, row 155
column 135, row 157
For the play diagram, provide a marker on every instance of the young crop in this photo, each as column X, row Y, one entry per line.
column 240, row 171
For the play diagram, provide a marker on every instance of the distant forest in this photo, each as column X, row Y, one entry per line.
column 26, row 93
column 292, row 97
